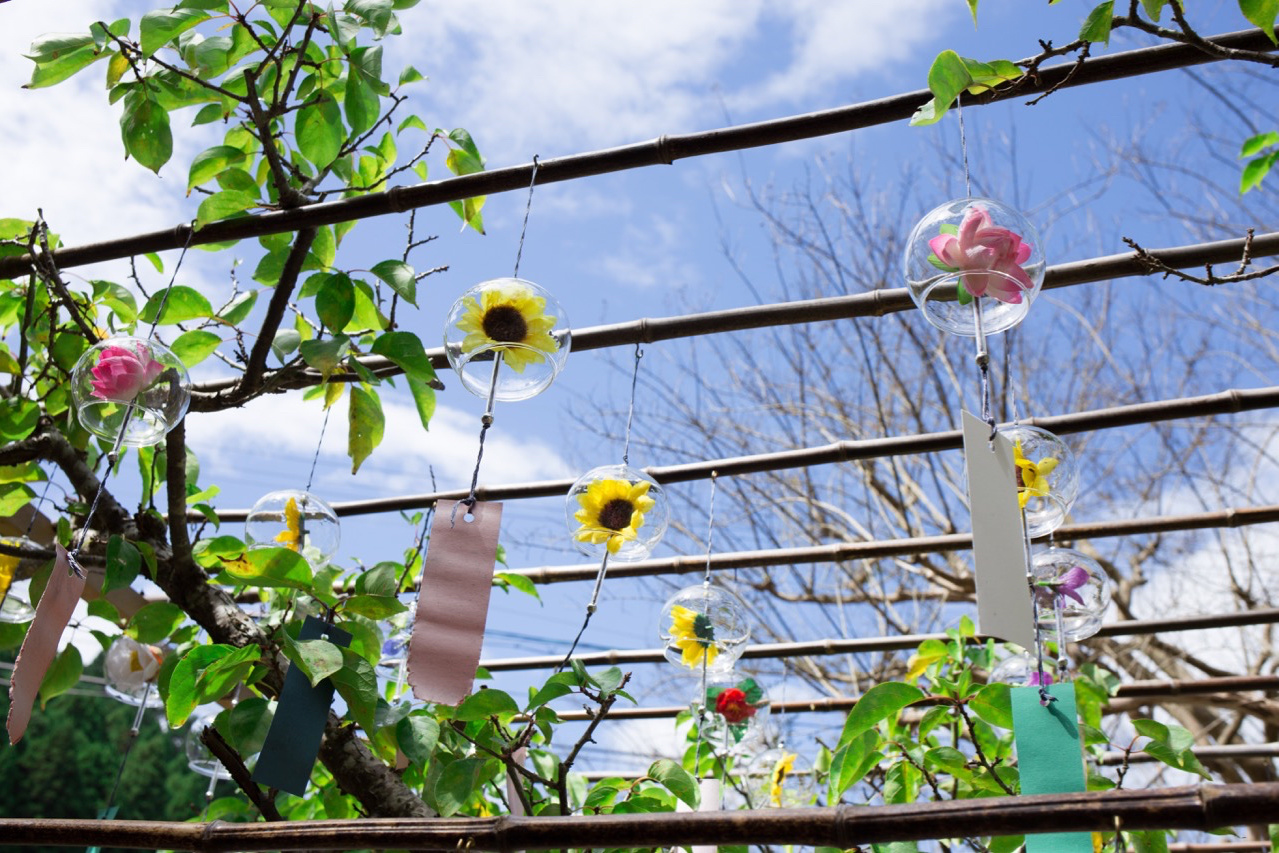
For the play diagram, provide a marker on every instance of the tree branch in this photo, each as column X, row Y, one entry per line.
column 251, row 381
column 234, row 765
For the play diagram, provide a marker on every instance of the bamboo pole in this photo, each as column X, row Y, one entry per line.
column 1131, row 690
column 1220, row 752
column 1199, row 807
column 664, row 150
column 875, row 303
column 1230, row 401
column 905, row 642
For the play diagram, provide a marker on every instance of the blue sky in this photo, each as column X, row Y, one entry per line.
column 559, row 78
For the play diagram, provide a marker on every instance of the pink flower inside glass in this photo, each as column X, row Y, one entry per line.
column 121, row 374
column 989, row 256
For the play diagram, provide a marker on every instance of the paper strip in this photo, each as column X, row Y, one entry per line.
column 41, row 644
column 452, row 606
column 999, row 546
column 1050, row 757
column 711, row 796
column 293, row 741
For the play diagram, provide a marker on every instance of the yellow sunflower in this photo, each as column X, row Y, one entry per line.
column 612, row 512
column 509, row 314
column 8, row 568
column 781, row 770
column 291, row 536
column 694, row 636
column 1032, row 477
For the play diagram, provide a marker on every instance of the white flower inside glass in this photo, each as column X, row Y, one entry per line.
column 1046, row 476
column 616, row 510
column 512, row 321
column 1071, row 592
column 704, row 629
column 131, row 670
column 974, row 260
column 130, row 383
column 297, row 520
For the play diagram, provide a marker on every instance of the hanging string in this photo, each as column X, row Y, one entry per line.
column 486, row 421
column 1010, row 379
column 963, row 144
column 319, row 444
column 700, row 708
column 630, row 410
column 114, row 455
column 1044, row 696
column 128, row 747
column 983, row 352
column 710, row 529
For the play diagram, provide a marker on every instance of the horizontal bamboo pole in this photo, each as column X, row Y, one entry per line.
column 874, row 549
column 875, row 303
column 1226, row 402
column 1221, row 752
column 663, row 150
column 1198, row 807
column 1131, row 690
column 905, row 642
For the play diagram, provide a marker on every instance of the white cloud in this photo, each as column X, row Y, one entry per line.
column 651, row 255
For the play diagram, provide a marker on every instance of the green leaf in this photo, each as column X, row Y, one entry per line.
column 852, row 761
column 223, row 204
column 118, row 299
column 486, row 703
column 1255, row 172
column 63, row 674
column 401, row 278
column 456, row 783
column 144, row 127
column 183, row 303
column 424, row 400
column 245, row 725
column 1149, row 841
column 18, row 418
column 381, row 580
column 417, row 735
column 155, row 621
column 560, row 684
column 319, row 130
column 374, row 606
column 1262, row 14
column 677, row 780
column 520, row 582
column 972, row 7
column 1154, row 8
column 160, row 27
column 335, row 302
column 285, row 342
column 947, row 77
column 1255, row 144
column 356, row 682
column 326, row 355
column 876, row 705
column 406, row 351
column 318, row 659
column 1096, row 26
column 271, row 567
column 239, row 308
column 211, row 162
column 366, row 424
column 363, row 81
column 205, row 673
column 64, row 65
column 993, row 704
column 195, row 346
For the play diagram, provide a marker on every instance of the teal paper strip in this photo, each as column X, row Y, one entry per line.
column 1050, row 758
column 103, row 814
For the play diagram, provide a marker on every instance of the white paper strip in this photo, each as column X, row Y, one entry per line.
column 999, row 546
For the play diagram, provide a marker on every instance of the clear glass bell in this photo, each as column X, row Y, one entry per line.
column 618, row 510
column 1072, row 593
column 131, row 383
column 13, row 608
column 704, row 629
column 779, row 779
column 512, row 326
column 131, row 671
column 1047, row 477
column 1020, row 670
column 199, row 759
column 971, row 261
column 737, row 708
column 297, row 520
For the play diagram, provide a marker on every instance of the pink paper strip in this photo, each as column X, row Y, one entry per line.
column 41, row 644
column 453, row 604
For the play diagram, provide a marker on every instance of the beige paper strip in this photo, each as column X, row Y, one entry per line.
column 999, row 545
column 41, row 644
column 452, row 606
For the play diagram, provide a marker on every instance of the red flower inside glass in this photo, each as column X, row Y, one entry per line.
column 731, row 704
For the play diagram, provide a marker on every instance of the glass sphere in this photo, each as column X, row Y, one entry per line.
column 1071, row 589
column 736, row 710
column 618, row 510
column 974, row 258
column 199, row 759
column 516, row 321
column 395, row 648
column 131, row 670
column 136, row 384
column 13, row 609
column 777, row 779
column 704, row 628
column 1047, row 476
column 297, row 520
column 1021, row 670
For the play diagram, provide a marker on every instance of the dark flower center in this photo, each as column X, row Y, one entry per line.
column 616, row 514
column 505, row 324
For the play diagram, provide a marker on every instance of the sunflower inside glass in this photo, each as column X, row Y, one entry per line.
column 512, row 320
column 612, row 512
column 694, row 635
